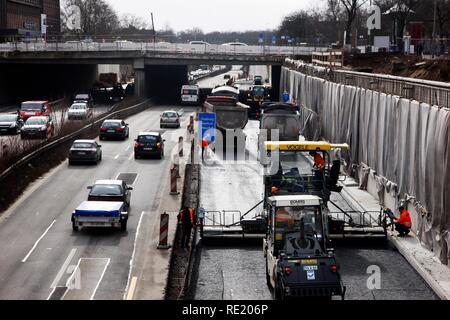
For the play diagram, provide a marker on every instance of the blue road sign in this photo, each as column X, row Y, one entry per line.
column 261, row 37
column 207, row 124
column 274, row 39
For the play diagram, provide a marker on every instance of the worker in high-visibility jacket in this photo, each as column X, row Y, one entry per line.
column 403, row 223
column 205, row 145
column 186, row 220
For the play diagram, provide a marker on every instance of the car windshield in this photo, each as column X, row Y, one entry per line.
column 111, row 125
column 169, row 115
column 36, row 121
column 259, row 91
column 78, row 107
column 83, row 145
column 288, row 219
column 8, row 118
column 82, row 97
column 106, row 190
column 31, row 106
column 287, row 126
column 147, row 139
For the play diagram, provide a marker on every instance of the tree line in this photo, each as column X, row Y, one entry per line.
column 332, row 21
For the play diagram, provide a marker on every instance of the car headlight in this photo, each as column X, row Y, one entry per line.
column 43, row 128
column 13, row 125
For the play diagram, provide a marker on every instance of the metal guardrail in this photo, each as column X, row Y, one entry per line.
column 65, row 138
column 426, row 91
column 156, row 47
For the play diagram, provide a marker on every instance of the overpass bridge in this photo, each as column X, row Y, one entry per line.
column 156, row 65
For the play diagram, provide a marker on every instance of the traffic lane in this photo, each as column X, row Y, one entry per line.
column 212, row 82
column 227, row 273
column 49, row 203
column 397, row 281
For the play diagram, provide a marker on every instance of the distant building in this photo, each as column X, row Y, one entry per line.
column 21, row 19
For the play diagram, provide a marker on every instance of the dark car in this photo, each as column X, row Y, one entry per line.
column 170, row 119
column 110, row 190
column 38, row 127
column 149, row 144
column 85, row 151
column 114, row 129
column 257, row 80
column 10, row 123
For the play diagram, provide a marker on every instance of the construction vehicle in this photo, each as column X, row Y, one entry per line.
column 231, row 115
column 300, row 261
column 256, row 96
column 295, row 176
column 278, row 122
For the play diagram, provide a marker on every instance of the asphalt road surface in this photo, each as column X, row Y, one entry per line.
column 236, row 270
column 39, row 249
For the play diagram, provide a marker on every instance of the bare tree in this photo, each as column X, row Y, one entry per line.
column 129, row 20
column 351, row 8
column 97, row 17
column 335, row 14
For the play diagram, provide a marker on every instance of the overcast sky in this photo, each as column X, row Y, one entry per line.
column 213, row 15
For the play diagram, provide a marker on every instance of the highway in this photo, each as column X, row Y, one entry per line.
column 39, row 249
column 230, row 270
column 59, row 116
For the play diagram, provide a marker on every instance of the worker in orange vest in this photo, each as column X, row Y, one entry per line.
column 205, row 145
column 403, row 223
column 319, row 162
column 186, row 220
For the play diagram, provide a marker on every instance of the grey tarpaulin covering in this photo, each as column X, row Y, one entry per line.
column 405, row 142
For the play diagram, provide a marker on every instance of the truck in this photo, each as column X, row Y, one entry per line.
column 231, row 115
column 282, row 117
column 100, row 214
column 256, row 96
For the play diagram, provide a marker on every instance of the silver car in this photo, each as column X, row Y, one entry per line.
column 170, row 119
column 79, row 111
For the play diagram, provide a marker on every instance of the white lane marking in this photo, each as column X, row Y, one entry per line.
column 70, row 278
column 37, row 242
column 134, row 252
column 131, row 156
column 132, row 289
column 127, row 148
column 63, row 269
column 117, row 157
column 100, row 280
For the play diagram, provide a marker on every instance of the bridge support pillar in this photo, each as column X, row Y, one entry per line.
column 139, row 78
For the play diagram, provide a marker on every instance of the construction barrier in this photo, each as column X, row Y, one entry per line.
column 191, row 124
column 164, row 232
column 180, row 147
column 173, row 181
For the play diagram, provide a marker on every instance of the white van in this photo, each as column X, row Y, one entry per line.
column 190, row 94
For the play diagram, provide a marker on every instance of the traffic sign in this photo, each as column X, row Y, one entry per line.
column 207, row 126
column 274, row 39
column 261, row 37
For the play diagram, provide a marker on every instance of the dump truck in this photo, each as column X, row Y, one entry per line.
column 231, row 115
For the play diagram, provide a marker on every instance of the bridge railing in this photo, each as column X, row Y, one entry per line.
column 77, row 46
